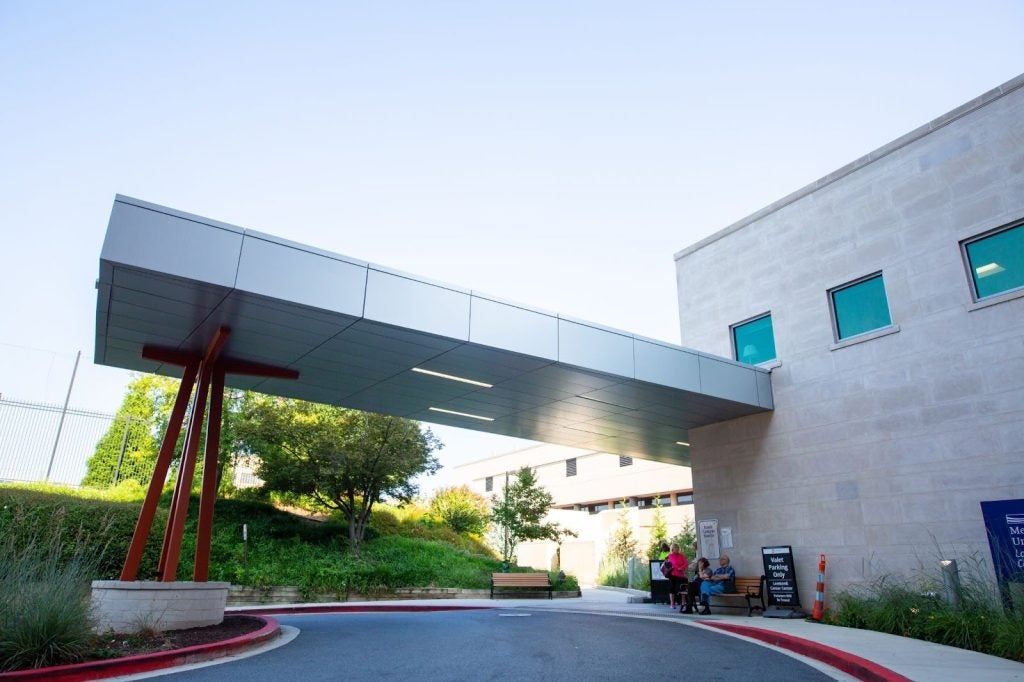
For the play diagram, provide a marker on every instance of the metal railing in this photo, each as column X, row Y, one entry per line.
column 42, row 442
column 45, row 442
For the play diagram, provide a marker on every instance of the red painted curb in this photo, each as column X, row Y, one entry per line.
column 94, row 670
column 861, row 668
column 355, row 608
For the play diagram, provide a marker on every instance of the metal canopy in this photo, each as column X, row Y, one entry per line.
column 361, row 336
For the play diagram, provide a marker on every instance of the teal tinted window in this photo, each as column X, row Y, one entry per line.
column 753, row 342
column 997, row 262
column 860, row 307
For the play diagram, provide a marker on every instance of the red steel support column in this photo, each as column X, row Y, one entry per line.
column 171, row 552
column 208, row 496
column 209, row 368
column 163, row 462
column 168, row 569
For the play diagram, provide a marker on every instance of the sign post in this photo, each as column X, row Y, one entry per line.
column 780, row 581
column 1004, row 521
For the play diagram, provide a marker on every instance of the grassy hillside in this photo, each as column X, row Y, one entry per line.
column 402, row 549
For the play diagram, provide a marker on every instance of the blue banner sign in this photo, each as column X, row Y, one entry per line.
column 1004, row 521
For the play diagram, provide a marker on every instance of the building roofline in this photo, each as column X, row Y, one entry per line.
column 883, row 151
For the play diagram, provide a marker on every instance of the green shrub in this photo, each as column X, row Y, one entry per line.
column 913, row 608
column 563, row 582
column 613, row 573
column 1008, row 641
column 27, row 514
column 412, row 521
column 461, row 509
column 45, row 611
column 404, row 548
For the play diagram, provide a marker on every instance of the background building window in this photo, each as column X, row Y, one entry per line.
column 625, row 461
column 753, row 342
column 997, row 262
column 489, row 484
column 860, row 307
column 570, row 467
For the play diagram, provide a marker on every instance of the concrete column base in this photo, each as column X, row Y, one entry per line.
column 132, row 606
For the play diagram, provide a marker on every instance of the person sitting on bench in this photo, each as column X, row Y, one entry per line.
column 722, row 580
column 693, row 589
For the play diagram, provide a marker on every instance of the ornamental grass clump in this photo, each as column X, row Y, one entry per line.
column 917, row 607
column 45, row 616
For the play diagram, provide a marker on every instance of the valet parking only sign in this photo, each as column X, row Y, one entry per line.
column 780, row 577
column 1004, row 521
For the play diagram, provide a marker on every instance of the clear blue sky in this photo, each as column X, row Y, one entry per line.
column 554, row 153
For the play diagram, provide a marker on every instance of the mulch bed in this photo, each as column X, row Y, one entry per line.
column 120, row 645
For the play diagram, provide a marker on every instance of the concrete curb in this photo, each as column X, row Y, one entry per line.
column 353, row 608
column 158, row 660
column 851, row 664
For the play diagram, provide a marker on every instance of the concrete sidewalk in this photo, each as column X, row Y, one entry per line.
column 853, row 654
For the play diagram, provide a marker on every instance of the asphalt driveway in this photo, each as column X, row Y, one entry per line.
column 504, row 644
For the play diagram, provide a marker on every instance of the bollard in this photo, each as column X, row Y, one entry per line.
column 951, row 581
column 630, row 567
column 819, row 592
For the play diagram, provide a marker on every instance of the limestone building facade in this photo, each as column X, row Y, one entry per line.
column 887, row 298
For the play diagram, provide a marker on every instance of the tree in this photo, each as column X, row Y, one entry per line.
column 138, row 428
column 236, row 406
column 518, row 514
column 687, row 538
column 461, row 509
column 622, row 545
column 659, row 530
column 345, row 459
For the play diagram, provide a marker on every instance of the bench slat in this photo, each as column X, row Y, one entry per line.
column 521, row 581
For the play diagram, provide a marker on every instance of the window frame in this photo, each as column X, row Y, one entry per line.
column 972, row 285
column 732, row 338
column 489, row 484
column 864, row 335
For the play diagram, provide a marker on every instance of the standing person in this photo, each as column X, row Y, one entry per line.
column 722, row 580
column 663, row 551
column 693, row 589
column 677, row 578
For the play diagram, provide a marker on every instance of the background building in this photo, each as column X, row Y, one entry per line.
column 888, row 299
column 588, row 488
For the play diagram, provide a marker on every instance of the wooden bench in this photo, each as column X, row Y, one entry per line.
column 750, row 590
column 520, row 582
